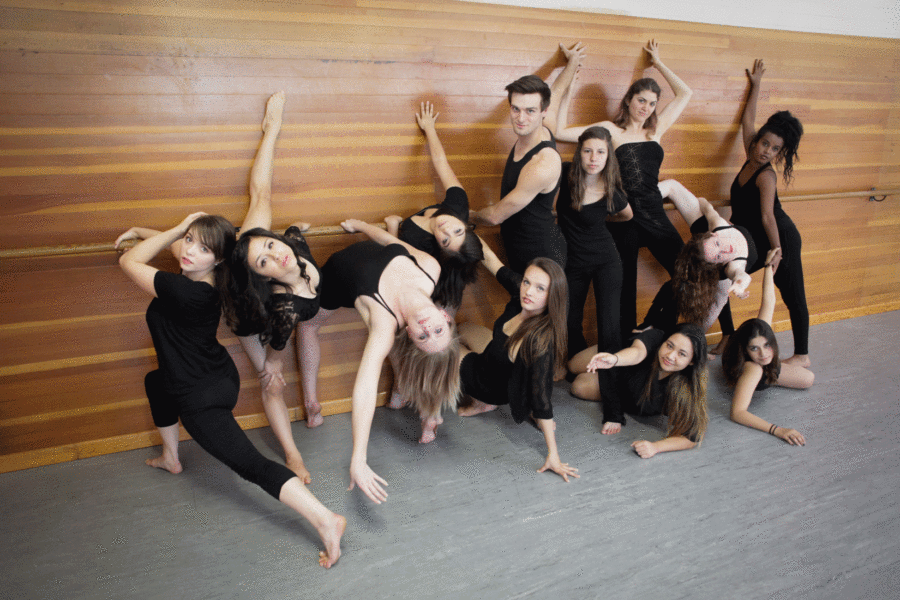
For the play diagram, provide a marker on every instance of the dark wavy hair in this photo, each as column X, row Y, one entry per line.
column 641, row 85
column 530, row 84
column 686, row 389
column 253, row 292
column 546, row 332
column 735, row 355
column 458, row 269
column 217, row 234
column 612, row 180
column 790, row 130
column 695, row 281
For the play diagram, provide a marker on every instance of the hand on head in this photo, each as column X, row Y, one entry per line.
column 186, row 224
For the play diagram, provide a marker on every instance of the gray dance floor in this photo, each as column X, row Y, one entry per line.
column 743, row 516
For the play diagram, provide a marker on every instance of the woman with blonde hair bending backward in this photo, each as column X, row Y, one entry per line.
column 196, row 380
column 515, row 364
column 636, row 133
column 751, row 363
column 390, row 284
column 660, row 374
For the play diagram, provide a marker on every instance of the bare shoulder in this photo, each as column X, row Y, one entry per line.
column 546, row 165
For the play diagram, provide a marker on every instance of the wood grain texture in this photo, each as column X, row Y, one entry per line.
column 119, row 113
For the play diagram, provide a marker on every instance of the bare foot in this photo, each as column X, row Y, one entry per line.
column 313, row 414
column 331, row 534
column 429, row 429
column 172, row 465
column 799, row 360
column 396, row 402
column 296, row 465
column 274, row 108
column 476, row 408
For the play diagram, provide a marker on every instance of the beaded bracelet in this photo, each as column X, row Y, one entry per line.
column 772, row 429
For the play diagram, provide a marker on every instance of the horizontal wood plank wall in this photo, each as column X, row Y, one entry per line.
column 134, row 112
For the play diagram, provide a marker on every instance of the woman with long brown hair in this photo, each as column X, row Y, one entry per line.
column 514, row 364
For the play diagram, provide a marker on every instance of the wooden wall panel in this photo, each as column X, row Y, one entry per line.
column 130, row 112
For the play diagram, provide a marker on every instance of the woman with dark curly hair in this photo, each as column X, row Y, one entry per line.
column 660, row 374
column 755, row 205
column 751, row 363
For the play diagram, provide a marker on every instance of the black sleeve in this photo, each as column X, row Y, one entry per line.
column 283, row 318
column 457, row 201
column 510, row 280
column 530, row 389
column 620, row 202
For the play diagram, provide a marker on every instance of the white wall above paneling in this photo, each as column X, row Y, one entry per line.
column 870, row 18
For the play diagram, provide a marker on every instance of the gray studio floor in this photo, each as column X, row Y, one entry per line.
column 743, row 516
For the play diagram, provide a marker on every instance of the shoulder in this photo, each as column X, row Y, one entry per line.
column 767, row 177
column 752, row 372
column 545, row 164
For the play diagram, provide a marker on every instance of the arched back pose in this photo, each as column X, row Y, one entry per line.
column 710, row 267
column 755, row 205
column 442, row 230
column 636, row 133
column 197, row 380
column 515, row 364
column 390, row 284
column 659, row 374
column 751, row 363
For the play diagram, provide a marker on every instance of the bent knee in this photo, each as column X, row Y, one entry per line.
column 586, row 387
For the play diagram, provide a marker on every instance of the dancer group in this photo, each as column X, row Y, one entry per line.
column 407, row 282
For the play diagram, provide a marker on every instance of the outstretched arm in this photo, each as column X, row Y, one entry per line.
column 365, row 391
column 426, row 118
column 134, row 262
column 748, row 118
column 743, row 393
column 259, row 214
column 646, row 449
column 553, row 462
column 632, row 355
column 540, row 175
column 377, row 234
column 683, row 93
column 561, row 85
column 490, row 261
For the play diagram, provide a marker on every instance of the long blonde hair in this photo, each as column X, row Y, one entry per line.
column 429, row 380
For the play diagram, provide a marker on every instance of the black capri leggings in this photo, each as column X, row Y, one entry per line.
column 206, row 414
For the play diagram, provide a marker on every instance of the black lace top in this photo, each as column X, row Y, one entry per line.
column 286, row 310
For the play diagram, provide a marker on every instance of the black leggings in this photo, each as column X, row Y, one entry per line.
column 206, row 414
column 789, row 280
column 664, row 244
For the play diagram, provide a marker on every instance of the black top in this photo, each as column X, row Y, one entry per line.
column 531, row 232
column 746, row 207
column 286, row 310
column 587, row 238
column 456, row 203
column 356, row 271
column 494, row 379
column 183, row 320
column 639, row 164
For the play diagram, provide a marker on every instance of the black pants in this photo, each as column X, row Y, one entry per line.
column 630, row 237
column 788, row 279
column 206, row 414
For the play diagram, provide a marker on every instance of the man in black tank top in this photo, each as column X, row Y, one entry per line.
column 530, row 181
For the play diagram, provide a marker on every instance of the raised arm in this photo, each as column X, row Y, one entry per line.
column 667, row 117
column 259, row 214
column 767, row 183
column 426, row 118
column 767, row 306
column 748, row 118
column 539, row 176
column 365, row 393
column 561, row 85
column 134, row 262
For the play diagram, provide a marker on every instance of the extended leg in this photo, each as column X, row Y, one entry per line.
column 789, row 279
column 259, row 213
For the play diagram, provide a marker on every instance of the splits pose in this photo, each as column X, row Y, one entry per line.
column 197, row 381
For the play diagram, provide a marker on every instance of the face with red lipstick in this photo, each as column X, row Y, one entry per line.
column 270, row 257
column 535, row 290
column 676, row 353
column 195, row 257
